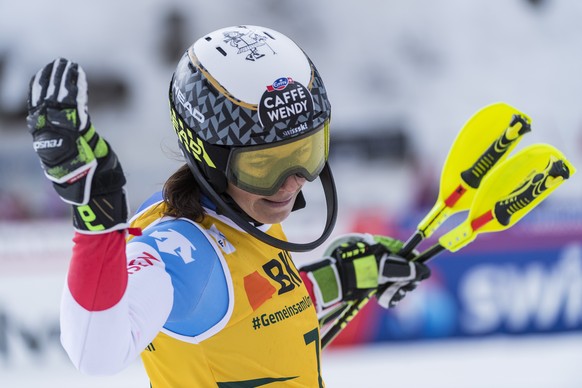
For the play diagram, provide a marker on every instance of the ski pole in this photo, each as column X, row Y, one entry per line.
column 494, row 208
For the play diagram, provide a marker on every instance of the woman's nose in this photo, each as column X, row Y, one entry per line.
column 292, row 183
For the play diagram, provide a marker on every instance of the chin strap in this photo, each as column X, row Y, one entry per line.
column 242, row 221
column 299, row 202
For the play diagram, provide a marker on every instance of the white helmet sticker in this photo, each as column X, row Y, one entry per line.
column 249, row 42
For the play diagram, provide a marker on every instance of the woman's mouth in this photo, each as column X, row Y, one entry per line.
column 279, row 202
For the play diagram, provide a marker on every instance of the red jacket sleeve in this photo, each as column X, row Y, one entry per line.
column 308, row 285
column 97, row 276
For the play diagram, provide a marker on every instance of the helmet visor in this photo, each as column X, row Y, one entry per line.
column 262, row 169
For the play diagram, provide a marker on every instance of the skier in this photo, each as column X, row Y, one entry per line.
column 201, row 282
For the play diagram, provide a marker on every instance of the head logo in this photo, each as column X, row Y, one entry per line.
column 280, row 84
column 193, row 112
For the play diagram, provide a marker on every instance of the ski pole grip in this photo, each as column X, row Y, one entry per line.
column 517, row 127
column 555, row 173
column 409, row 245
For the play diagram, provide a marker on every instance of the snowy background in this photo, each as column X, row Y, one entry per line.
column 413, row 70
column 408, row 70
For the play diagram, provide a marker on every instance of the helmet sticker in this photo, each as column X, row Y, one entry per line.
column 280, row 84
column 248, row 42
column 289, row 102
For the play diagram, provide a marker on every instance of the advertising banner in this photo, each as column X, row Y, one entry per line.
column 526, row 280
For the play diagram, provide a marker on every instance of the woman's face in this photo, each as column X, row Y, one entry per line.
column 272, row 209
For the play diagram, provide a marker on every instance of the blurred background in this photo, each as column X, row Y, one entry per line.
column 403, row 77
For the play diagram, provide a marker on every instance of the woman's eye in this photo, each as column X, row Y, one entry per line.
column 260, row 162
column 303, row 153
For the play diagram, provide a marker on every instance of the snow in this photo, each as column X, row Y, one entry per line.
column 538, row 362
column 498, row 362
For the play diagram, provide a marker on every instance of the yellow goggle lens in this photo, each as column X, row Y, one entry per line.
column 262, row 169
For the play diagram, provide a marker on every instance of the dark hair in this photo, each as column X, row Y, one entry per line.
column 182, row 195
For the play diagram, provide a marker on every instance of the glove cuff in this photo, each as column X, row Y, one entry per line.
column 102, row 214
column 325, row 279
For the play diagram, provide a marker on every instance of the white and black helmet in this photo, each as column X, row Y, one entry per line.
column 250, row 108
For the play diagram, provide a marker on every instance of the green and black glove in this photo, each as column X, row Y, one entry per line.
column 356, row 264
column 83, row 168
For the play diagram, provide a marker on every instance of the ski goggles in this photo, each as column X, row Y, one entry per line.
column 262, row 169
